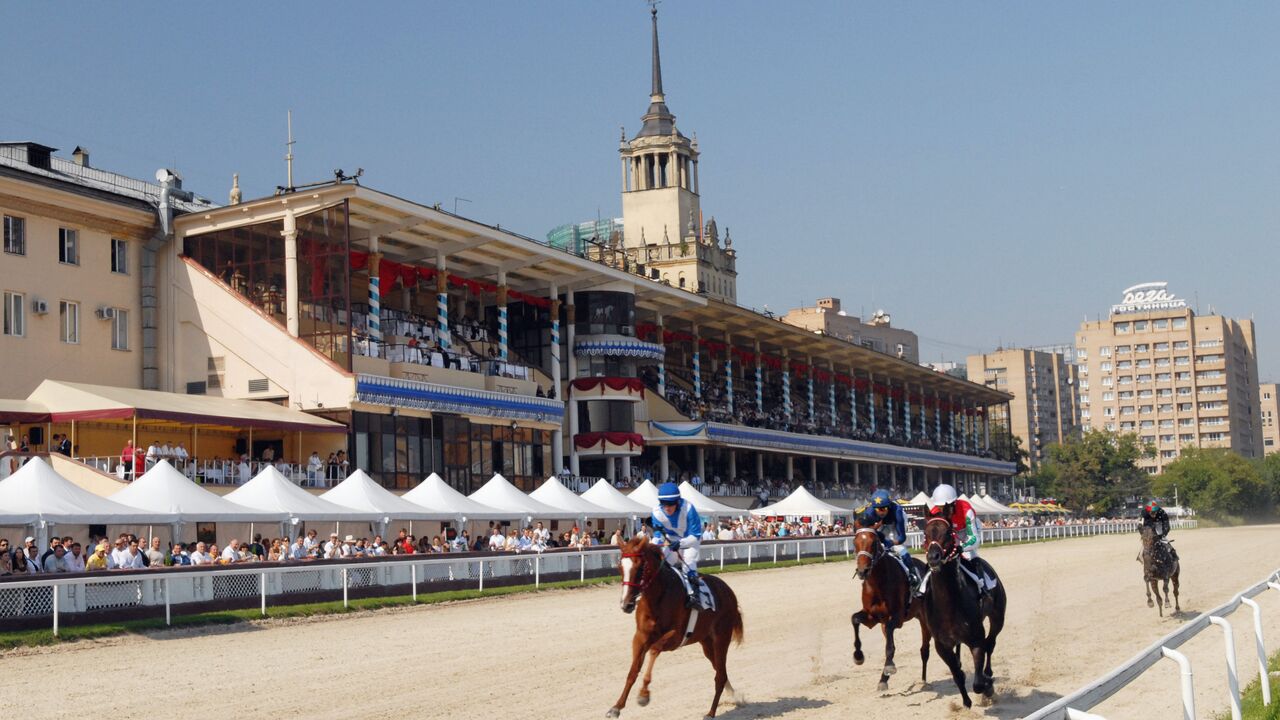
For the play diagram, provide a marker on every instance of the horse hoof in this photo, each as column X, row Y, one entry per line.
column 858, row 657
column 1150, row 603
column 890, row 669
column 642, row 700
column 883, row 687
column 613, row 712
column 967, row 702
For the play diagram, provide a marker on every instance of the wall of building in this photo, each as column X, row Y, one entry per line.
column 1269, row 405
column 850, row 328
column 1045, row 406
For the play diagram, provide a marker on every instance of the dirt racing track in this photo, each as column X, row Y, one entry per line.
column 1076, row 610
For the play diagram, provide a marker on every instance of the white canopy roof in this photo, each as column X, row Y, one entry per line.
column 436, row 495
column 801, row 502
column 920, row 499
column 704, row 504
column 646, row 493
column 360, row 492
column 501, row 494
column 36, row 492
column 993, row 506
column 606, row 495
column 269, row 490
column 558, row 496
column 164, row 489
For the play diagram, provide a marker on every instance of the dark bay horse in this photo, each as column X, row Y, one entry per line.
column 953, row 613
column 654, row 592
column 1159, row 563
column 886, row 601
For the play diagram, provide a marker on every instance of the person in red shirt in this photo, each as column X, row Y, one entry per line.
column 126, row 459
column 139, row 461
column 964, row 522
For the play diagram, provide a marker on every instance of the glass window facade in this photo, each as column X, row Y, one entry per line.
column 600, row 313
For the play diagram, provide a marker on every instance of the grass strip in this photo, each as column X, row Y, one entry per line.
column 1251, row 707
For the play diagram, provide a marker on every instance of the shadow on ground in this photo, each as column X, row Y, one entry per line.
column 771, row 708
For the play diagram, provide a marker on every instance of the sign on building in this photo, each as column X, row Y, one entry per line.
column 1146, row 297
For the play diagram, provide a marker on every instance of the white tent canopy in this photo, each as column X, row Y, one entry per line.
column 501, row 494
column 436, row 495
column 920, row 499
column 995, row 507
column 269, row 490
column 360, row 492
column 802, row 503
column 558, row 496
column 37, row 493
column 607, row 496
column 646, row 493
column 704, row 504
column 164, row 489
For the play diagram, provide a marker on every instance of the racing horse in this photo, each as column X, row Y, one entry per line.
column 954, row 613
column 1159, row 563
column 886, row 601
column 653, row 591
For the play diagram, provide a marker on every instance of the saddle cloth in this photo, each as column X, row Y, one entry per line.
column 705, row 598
column 986, row 580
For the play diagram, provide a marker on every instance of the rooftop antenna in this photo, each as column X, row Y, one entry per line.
column 288, row 157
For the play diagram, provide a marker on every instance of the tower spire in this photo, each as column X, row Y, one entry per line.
column 656, row 92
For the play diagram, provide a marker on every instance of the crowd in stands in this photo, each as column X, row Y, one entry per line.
column 219, row 470
column 413, row 338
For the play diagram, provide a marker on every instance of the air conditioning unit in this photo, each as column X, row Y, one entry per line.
column 106, row 313
column 39, row 307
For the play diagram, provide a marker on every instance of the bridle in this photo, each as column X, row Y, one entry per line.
column 875, row 555
column 644, row 580
column 947, row 555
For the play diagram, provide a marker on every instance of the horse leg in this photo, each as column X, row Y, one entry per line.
column 1177, row 604
column 1166, row 591
column 889, row 649
column 980, row 680
column 1146, row 581
column 1155, row 589
column 996, row 624
column 859, row 618
column 952, row 659
column 639, row 644
column 925, row 637
column 643, row 698
column 716, row 648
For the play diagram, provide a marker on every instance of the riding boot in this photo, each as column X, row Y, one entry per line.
column 692, row 600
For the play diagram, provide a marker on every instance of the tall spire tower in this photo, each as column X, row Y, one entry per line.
column 661, row 207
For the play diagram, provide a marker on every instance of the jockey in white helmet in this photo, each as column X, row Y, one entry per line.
column 680, row 526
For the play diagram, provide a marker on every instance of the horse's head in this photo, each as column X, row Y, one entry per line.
column 640, row 564
column 1148, row 535
column 867, row 542
column 939, row 542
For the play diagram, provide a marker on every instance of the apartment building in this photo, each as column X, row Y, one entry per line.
column 1045, row 407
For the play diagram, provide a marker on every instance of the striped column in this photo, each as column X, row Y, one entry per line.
column 810, row 393
column 375, row 297
column 442, row 306
column 786, row 390
column 728, row 371
column 924, row 416
column 853, row 401
column 888, row 409
column 906, row 414
column 662, row 363
column 951, row 426
column 937, row 418
column 871, row 403
column 502, row 321
column 759, row 381
column 555, row 346
column 831, row 397
column 697, row 370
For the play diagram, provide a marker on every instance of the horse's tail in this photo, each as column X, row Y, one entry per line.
column 732, row 611
column 737, row 622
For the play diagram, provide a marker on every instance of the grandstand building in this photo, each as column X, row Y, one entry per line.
column 418, row 341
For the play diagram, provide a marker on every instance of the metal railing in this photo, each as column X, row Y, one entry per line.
column 224, row 471
column 1078, row 703
column 54, row 597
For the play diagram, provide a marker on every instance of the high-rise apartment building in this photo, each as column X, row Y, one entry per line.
column 1045, row 407
column 1174, row 378
column 1269, row 406
column 877, row 334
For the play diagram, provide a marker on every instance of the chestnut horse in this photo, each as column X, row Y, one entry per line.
column 1159, row 563
column 886, row 601
column 953, row 612
column 652, row 589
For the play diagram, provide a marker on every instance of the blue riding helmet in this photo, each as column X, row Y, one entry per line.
column 881, row 499
column 668, row 492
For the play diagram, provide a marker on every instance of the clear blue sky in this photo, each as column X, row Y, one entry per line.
column 987, row 172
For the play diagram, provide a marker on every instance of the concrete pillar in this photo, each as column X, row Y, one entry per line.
column 626, row 468
column 290, row 234
column 502, row 315
column 786, row 384
column 570, row 320
column 610, row 471
column 759, row 466
column 664, row 463
column 986, row 431
column 733, row 465
column 702, row 462
column 835, row 470
column 791, row 467
column 553, row 372
column 759, row 381
column 813, row 468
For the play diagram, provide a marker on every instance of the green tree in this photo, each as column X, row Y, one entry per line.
column 1096, row 472
column 1217, row 483
column 1269, row 470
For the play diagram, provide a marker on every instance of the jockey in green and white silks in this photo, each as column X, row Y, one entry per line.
column 678, row 523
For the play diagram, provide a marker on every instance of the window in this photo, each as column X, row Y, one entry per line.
column 1161, row 325
column 1180, row 323
column 14, row 314
column 1123, row 349
column 1144, row 378
column 1111, row 427
column 119, row 256
column 15, row 235
column 1162, row 377
column 1139, row 325
column 1166, row 439
column 1104, row 351
column 1108, row 396
column 1142, row 348
column 1144, row 363
column 1106, row 381
column 1166, row 408
column 120, row 330
column 1122, row 328
column 1162, row 347
column 1106, row 366
column 68, row 246
column 1144, row 394
column 69, row 320
column 1162, row 362
column 1186, row 437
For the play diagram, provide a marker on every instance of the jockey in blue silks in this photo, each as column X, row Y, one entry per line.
column 890, row 522
column 678, row 523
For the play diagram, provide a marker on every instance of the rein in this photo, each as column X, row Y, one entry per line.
column 874, row 557
column 645, row 582
column 948, row 556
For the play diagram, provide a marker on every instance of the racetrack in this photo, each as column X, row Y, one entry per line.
column 1076, row 610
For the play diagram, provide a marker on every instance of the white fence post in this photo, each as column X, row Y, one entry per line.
column 582, row 567
column 344, row 588
column 413, row 581
column 749, row 546
column 262, row 588
column 167, row 618
column 1073, row 714
column 54, row 588
column 1233, row 680
column 1188, row 684
column 481, row 576
column 1264, row 678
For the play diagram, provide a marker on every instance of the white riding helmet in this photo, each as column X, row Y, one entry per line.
column 944, row 494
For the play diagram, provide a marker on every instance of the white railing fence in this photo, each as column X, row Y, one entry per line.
column 1078, row 703
column 53, row 597
column 915, row 540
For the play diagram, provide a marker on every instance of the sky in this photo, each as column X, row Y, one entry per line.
column 990, row 174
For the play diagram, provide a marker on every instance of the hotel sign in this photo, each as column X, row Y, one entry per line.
column 1147, row 297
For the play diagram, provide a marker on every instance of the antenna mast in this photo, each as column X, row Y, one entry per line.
column 288, row 158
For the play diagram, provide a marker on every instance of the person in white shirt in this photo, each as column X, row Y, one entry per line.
column 133, row 557
column 496, row 540
column 166, row 450
column 541, row 534
column 299, row 550
column 153, row 454
column 348, row 547
column 119, row 556
column 311, row 541
column 708, row 532
column 231, row 553
column 200, row 556
column 315, row 469
column 333, row 547
column 75, row 559
column 56, row 563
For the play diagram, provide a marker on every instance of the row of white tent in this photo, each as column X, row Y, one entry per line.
column 982, row 504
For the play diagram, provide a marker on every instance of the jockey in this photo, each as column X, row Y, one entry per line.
column 890, row 523
column 1154, row 517
column 680, row 526
column 964, row 522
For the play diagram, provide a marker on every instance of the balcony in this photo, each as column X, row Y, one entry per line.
column 607, row 388
column 609, row 444
column 459, row 399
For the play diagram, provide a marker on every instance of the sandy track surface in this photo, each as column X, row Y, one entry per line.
column 1076, row 610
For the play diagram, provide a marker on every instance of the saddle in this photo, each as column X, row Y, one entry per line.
column 703, row 596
